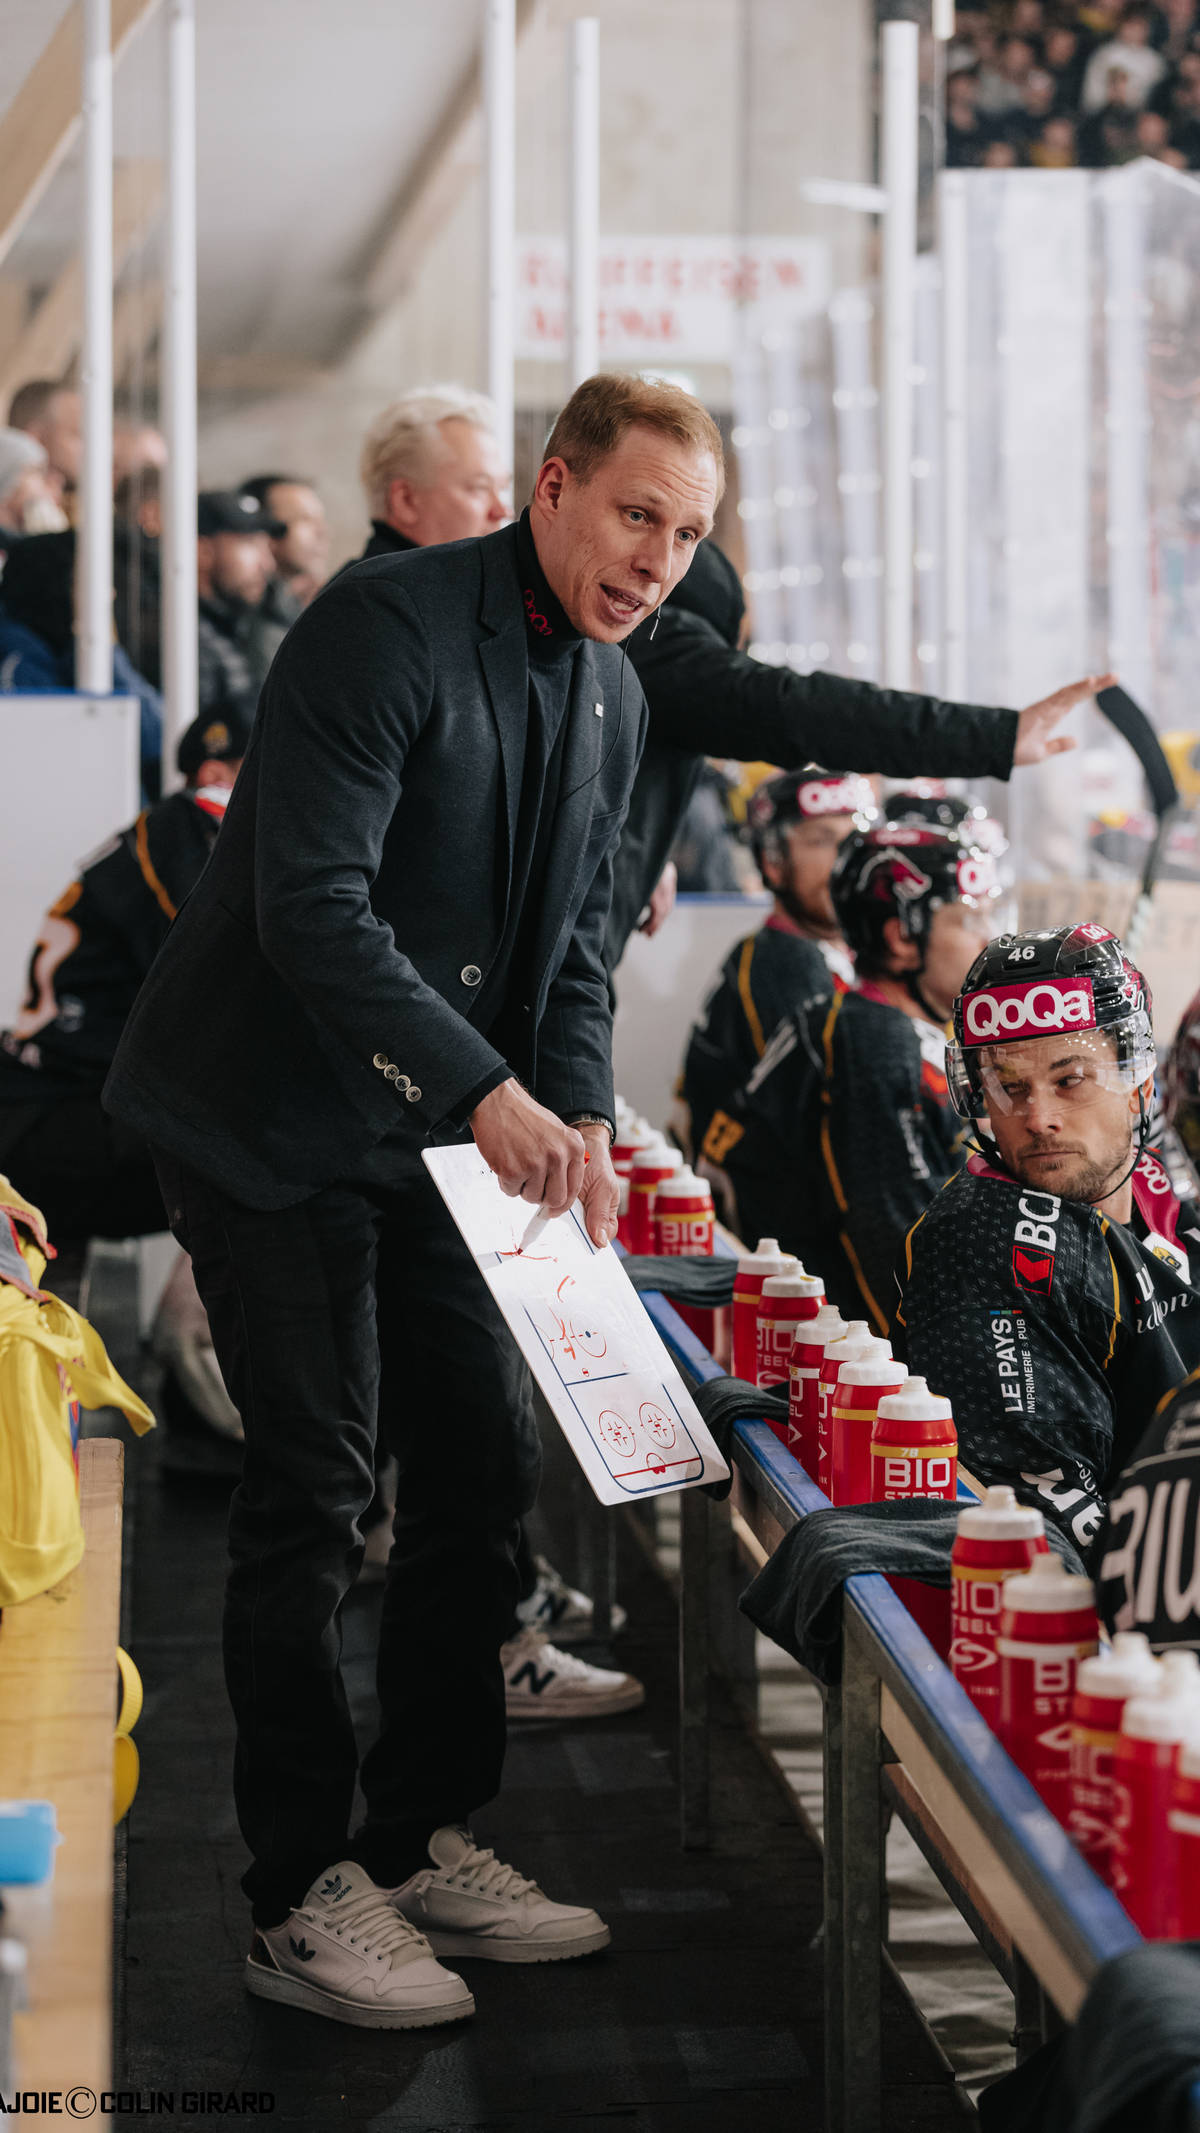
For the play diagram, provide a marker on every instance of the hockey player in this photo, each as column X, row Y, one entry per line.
column 796, row 821
column 1050, row 1290
column 845, row 1128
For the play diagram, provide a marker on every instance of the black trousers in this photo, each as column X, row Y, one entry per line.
column 301, row 1304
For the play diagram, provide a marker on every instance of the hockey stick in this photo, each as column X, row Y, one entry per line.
column 1133, row 725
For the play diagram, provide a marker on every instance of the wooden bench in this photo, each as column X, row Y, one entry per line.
column 57, row 1712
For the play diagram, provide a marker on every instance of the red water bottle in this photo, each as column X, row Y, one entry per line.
column 914, row 1446
column 997, row 1537
column 914, row 1452
column 753, row 1268
column 1143, row 1854
column 1183, row 1820
column 651, row 1168
column 786, row 1301
column 1103, row 1687
column 813, row 1336
column 845, row 1348
column 683, row 1229
column 862, row 1384
column 1047, row 1625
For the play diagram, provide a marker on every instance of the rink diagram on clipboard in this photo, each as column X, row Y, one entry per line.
column 611, row 1384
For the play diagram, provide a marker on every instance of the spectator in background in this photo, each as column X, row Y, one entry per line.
column 1056, row 147
column 1024, row 127
column 1109, row 137
column 53, row 414
column 999, row 155
column 136, row 444
column 37, row 638
column 1003, row 83
column 1064, row 55
column 1177, row 97
column 28, row 503
column 1175, row 24
column 433, row 471
column 234, row 566
column 301, row 556
column 1130, row 50
column 967, row 135
column 137, row 572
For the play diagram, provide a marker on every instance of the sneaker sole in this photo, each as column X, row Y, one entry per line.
column 293, row 1992
column 582, row 1706
column 464, row 1945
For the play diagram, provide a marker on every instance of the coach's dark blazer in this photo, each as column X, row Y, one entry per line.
column 331, row 972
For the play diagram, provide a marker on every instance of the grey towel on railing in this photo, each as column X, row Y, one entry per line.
column 707, row 1282
column 724, row 1401
column 796, row 1599
column 1128, row 2065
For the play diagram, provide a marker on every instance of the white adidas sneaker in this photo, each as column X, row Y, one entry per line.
column 469, row 1903
column 561, row 1610
column 542, row 1682
column 348, row 1954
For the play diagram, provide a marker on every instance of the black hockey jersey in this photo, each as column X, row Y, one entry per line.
column 1053, row 1331
column 97, row 943
column 762, row 979
column 1148, row 1554
column 839, row 1139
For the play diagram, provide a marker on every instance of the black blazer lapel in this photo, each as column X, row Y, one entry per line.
column 504, row 658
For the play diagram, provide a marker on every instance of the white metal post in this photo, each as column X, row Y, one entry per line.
column 179, row 338
column 952, row 230
column 1130, row 639
column 93, row 640
column 900, row 115
column 499, row 103
column 584, row 243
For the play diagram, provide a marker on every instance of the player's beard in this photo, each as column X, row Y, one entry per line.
column 815, row 923
column 1085, row 1178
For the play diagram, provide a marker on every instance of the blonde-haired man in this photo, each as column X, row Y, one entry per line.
column 400, row 939
column 433, row 471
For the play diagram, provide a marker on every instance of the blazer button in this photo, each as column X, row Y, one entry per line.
column 471, row 975
column 391, row 1073
column 380, row 1059
column 412, row 1094
column 403, row 1082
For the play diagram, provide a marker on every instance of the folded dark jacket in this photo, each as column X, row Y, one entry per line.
column 724, row 1401
column 1127, row 2066
column 694, row 1281
column 796, row 1599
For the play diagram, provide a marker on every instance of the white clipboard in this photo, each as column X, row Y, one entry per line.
column 579, row 1322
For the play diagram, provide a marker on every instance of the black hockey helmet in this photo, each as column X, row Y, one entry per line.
column 923, row 802
column 1067, row 980
column 906, row 870
column 805, row 795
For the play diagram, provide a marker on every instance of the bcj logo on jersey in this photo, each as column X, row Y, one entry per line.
column 1038, row 1009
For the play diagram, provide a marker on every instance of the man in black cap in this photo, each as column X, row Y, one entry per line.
column 234, row 566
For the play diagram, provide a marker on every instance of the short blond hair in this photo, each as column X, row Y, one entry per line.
column 402, row 442
column 600, row 411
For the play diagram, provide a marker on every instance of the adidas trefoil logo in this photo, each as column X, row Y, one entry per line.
column 301, row 1950
column 334, row 1888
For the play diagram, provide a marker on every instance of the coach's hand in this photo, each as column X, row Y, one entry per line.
column 1036, row 738
column 600, row 1192
column 533, row 1154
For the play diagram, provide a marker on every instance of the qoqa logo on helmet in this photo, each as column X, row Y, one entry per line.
column 822, row 796
column 976, row 874
column 1034, row 1010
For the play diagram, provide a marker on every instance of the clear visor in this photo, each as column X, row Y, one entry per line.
column 1072, row 1072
